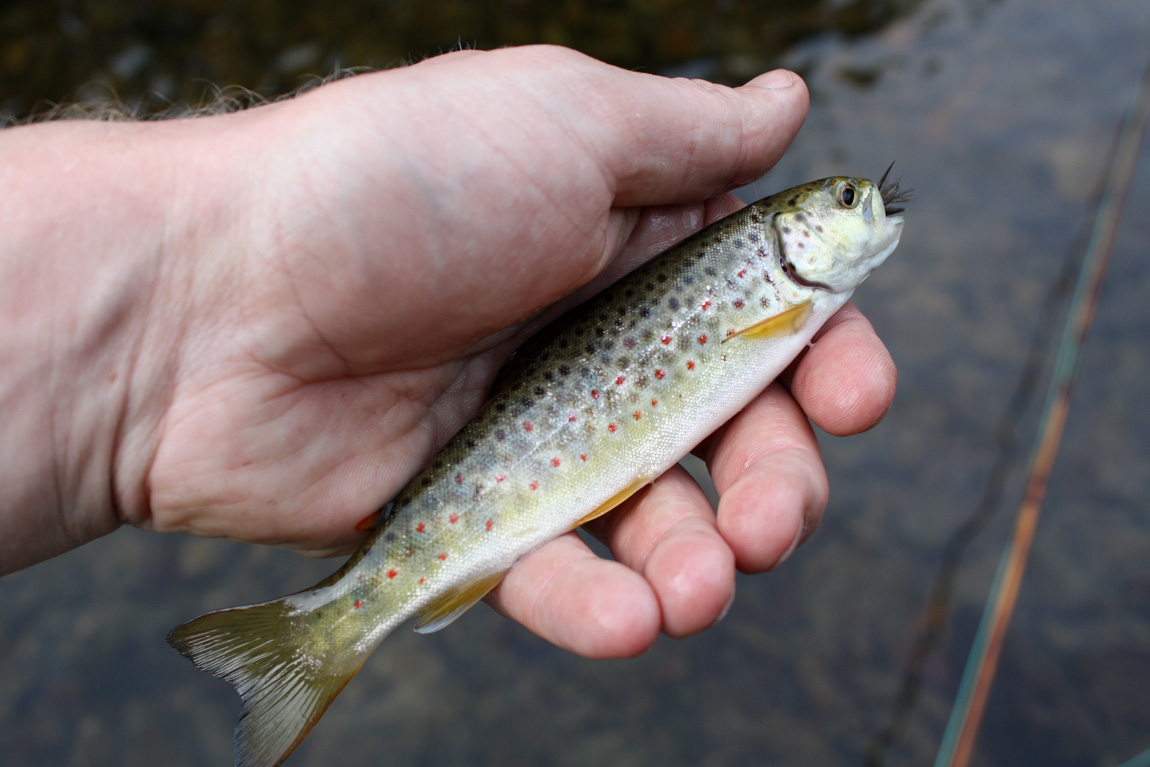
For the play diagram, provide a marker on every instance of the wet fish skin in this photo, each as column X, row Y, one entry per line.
column 598, row 405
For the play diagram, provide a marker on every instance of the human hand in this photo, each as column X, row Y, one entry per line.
column 351, row 267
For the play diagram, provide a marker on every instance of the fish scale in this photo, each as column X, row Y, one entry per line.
column 599, row 404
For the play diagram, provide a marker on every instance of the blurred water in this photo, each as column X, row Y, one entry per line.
column 1001, row 114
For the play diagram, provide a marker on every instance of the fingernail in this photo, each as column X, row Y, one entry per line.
column 776, row 79
column 794, row 544
column 726, row 608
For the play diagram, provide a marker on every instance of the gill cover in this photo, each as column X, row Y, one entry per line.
column 833, row 236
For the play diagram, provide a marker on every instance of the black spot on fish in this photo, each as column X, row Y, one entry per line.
column 539, row 390
column 629, row 293
column 527, row 402
column 609, row 344
column 500, row 435
column 425, row 481
column 438, row 464
column 600, row 332
column 590, row 348
column 710, row 271
column 786, row 229
column 500, row 406
column 740, row 243
column 564, row 370
column 621, row 311
column 548, row 377
column 673, row 303
column 645, row 312
column 753, row 236
column 622, row 362
column 661, row 277
column 688, row 279
column 470, row 443
column 649, row 287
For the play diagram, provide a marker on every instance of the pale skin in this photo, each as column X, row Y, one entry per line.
column 258, row 326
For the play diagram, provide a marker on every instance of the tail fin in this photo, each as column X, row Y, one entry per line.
column 285, row 671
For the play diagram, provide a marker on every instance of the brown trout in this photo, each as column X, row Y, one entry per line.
column 598, row 405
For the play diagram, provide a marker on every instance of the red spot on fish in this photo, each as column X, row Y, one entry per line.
column 490, row 524
column 594, row 394
column 528, row 426
column 690, row 364
column 362, row 578
column 706, row 305
column 702, row 339
column 742, row 273
column 500, row 477
column 369, row 522
column 619, row 381
column 731, row 332
column 739, row 303
column 392, row 573
column 611, row 427
column 420, row 528
column 659, row 374
column 421, row 581
column 555, row 462
column 453, row 518
column 629, row 342
column 654, row 403
column 638, row 415
column 459, row 479
column 665, row 339
column 582, row 456
column 442, row 555
column 534, row 485
column 571, row 418
column 357, row 604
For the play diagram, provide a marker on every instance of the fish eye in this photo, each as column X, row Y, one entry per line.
column 848, row 195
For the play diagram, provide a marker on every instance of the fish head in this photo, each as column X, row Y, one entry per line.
column 833, row 232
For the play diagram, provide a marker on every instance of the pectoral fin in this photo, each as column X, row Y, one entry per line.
column 444, row 609
column 782, row 324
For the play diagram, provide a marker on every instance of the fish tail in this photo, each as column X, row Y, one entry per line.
column 285, row 672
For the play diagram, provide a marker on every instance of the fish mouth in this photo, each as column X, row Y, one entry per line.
column 793, row 275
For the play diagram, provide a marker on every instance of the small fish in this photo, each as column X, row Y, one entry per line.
column 595, row 407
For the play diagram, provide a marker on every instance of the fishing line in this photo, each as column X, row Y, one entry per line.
column 1006, row 437
column 966, row 716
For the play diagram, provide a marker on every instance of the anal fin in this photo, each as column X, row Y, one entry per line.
column 443, row 610
column 782, row 324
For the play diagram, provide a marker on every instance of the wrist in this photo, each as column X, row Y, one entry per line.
column 91, row 328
